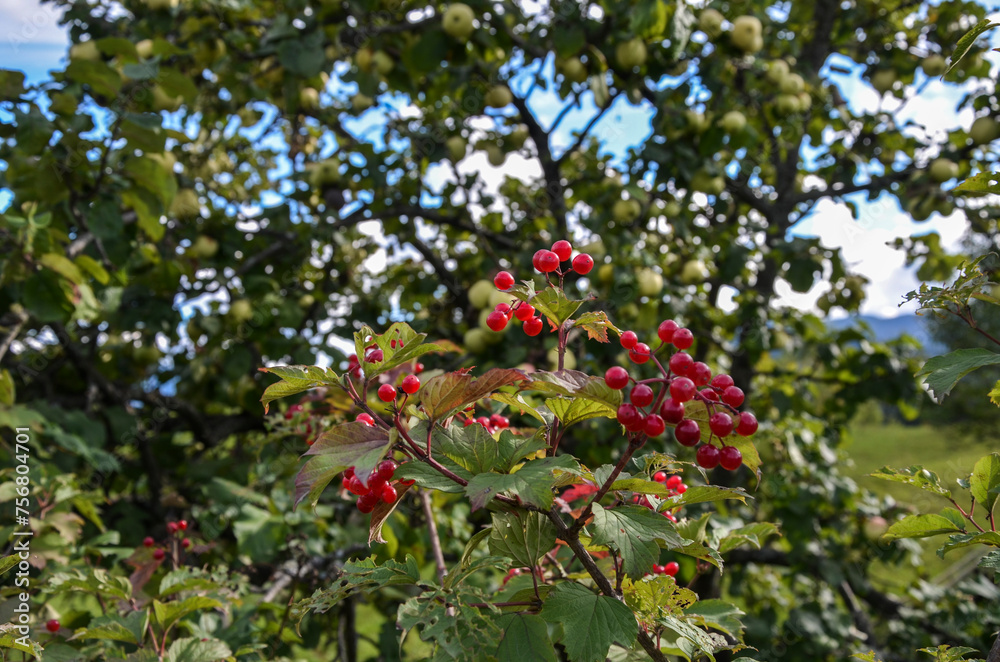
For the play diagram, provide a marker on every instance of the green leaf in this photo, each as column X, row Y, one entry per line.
column 525, row 637
column 8, row 562
column 655, row 597
column 967, row 41
column 363, row 575
column 458, row 631
column 945, row 653
column 550, row 303
column 751, row 534
column 648, row 19
column 532, row 483
column 296, row 379
column 113, row 630
column 596, row 324
column 524, row 536
column 706, row 494
column 982, row 183
column 634, row 532
column 472, row 545
column 400, row 345
column 517, row 401
column 430, row 478
column 7, row 389
column 994, row 394
column 590, row 623
column 101, row 78
column 62, row 266
column 920, row 526
column 11, row 84
column 717, row 615
column 680, row 30
column 197, row 649
column 576, row 410
column 352, row 444
column 988, row 538
column 168, row 613
column 574, row 383
column 943, row 372
column 512, row 449
column 985, row 480
column 917, row 476
column 9, row 640
column 152, row 175
column 470, row 446
column 445, row 394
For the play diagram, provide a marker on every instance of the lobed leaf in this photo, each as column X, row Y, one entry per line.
column 352, row 444
column 590, row 623
column 445, row 394
column 524, row 536
column 636, row 533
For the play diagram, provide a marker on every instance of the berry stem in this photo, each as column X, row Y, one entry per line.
column 442, row 569
column 968, row 515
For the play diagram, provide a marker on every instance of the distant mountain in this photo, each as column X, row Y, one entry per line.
column 890, row 328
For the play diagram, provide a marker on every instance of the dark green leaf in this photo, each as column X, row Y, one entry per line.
column 532, row 483
column 985, row 480
column 524, row 536
column 525, row 637
column 943, row 372
column 428, row 477
column 916, row 476
column 590, row 623
column 967, row 40
column 635, row 532
column 197, row 649
column 296, row 379
column 471, row 446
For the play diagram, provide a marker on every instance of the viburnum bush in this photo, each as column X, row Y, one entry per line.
column 589, row 559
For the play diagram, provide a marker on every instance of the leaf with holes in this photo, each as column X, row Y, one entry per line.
column 596, row 324
column 400, row 344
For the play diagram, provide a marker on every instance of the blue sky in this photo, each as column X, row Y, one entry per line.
column 32, row 41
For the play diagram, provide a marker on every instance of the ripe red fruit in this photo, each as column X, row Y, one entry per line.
column 186, row 543
column 366, row 503
column 641, row 395
column 374, row 356
column 628, row 416
column 563, row 249
column 388, row 494
column 148, row 541
column 700, row 373
column 730, row 458
column 660, row 477
column 524, row 312
column 52, row 626
column 504, row 281
column 733, row 396
column 547, row 261
column 616, row 377
column 387, row 392
column 682, row 488
column 707, row 456
column 365, row 418
column 722, row 382
column 418, row 368
column 171, row 527
column 687, row 432
column 640, row 353
column 671, row 568
column 582, row 264
column 182, row 524
column 294, row 409
column 411, row 384
column 499, row 422
column 159, row 554
column 386, row 469
column 536, row 257
column 355, row 486
column 747, row 425
column 657, row 569
column 533, row 326
column 666, row 330
column 673, row 482
column 496, row 321
column 683, row 338
column 672, row 411
column 721, row 424
column 709, row 394
column 629, row 339
column 680, row 363
column 682, row 389
column 654, row 426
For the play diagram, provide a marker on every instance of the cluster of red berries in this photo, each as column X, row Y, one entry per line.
column 674, row 485
column 388, row 392
column 173, row 528
column 307, row 429
column 378, row 489
column 670, row 569
column 548, row 261
column 492, row 424
column 374, row 354
column 684, row 380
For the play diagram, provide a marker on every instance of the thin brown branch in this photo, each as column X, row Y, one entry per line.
column 442, row 569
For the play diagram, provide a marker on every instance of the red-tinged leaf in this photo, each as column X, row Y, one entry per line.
column 578, row 492
column 574, row 383
column 351, row 444
column 382, row 512
column 596, row 324
column 445, row 394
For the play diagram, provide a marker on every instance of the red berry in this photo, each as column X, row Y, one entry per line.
column 709, row 394
column 680, row 363
column 524, row 312
column 374, row 356
column 535, row 260
column 294, row 409
column 496, row 321
column 499, row 422
column 671, row 568
column 355, row 486
column 533, row 326
column 547, row 261
column 657, row 569
column 148, row 541
column 747, row 425
column 654, row 425
column 563, row 249
column 387, row 392
column 505, row 309
column 730, row 458
column 673, row 482
column 700, row 373
column 660, row 477
column 687, row 432
column 411, row 384
column 52, row 626
column 682, row 488
column 682, row 389
column 616, row 377
column 672, row 411
column 386, row 469
column 482, row 420
column 182, row 524
column 683, row 338
column 628, row 415
column 733, row 396
column 504, row 281
column 707, row 456
column 721, row 424
column 388, row 494
column 348, row 473
column 171, row 527
column 629, row 339
column 365, row 418
column 159, row 554
column 722, row 382
column 366, row 503
column 640, row 353
column 641, row 395
column 186, row 543
column 418, row 368
column 666, row 330
column 582, row 264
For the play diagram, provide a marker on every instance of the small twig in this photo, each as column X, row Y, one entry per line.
column 22, row 319
column 634, row 444
column 442, row 569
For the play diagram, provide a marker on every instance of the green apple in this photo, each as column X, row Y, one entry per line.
column 163, row 101
column 185, row 204
column 934, row 65
column 384, row 64
column 475, row 340
column 362, row 102
column 309, row 98
column 941, row 170
column 498, row 96
column 457, row 21
column 626, row 211
column 324, row 173
column 746, row 34
column 631, row 54
column 805, row 101
column 777, row 71
column 875, row 527
column 144, row 49
column 944, row 206
column 984, row 130
column 733, row 122
column 786, row 104
column 792, row 84
column 710, row 22
column 456, row 148
column 694, row 271
column 696, row 121
column 306, row 301
column 85, row 50
column 708, row 183
column 479, row 293
column 365, row 59
column 574, row 70
column 606, row 273
column 496, row 298
column 650, row 282
column 883, row 80
column 495, row 155
column 518, row 136
column 204, row 247
column 241, row 310
column 672, row 209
